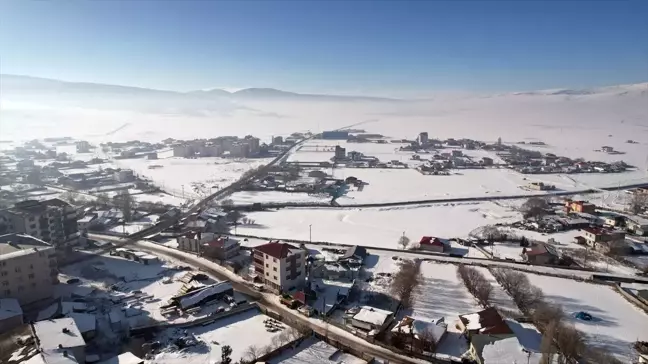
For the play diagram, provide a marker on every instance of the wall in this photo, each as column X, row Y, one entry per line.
column 33, row 281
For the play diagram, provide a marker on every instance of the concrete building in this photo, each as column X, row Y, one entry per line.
column 603, row 239
column 87, row 222
column 580, row 206
column 543, row 254
column 27, row 268
column 82, row 147
column 222, row 248
column 277, row 140
column 53, row 221
column 240, row 150
column 183, row 151
column 340, row 153
column 210, row 150
column 254, row 144
column 372, row 320
column 60, row 337
column 280, row 266
column 11, row 315
column 124, row 175
column 423, row 138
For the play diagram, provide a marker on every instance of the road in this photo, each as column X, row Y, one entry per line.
column 270, row 301
column 436, row 200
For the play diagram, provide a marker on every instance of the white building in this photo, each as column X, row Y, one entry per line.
column 28, row 268
column 280, row 266
column 372, row 319
column 124, row 175
column 60, row 337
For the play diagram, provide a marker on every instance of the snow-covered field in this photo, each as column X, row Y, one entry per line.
column 617, row 324
column 240, row 331
column 250, row 197
column 380, row 227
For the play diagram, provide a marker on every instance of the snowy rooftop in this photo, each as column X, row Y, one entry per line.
column 125, row 358
column 313, row 351
column 9, row 307
column 63, row 331
column 372, row 315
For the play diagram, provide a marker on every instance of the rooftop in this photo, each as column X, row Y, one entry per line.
column 487, row 321
column 9, row 307
column 12, row 245
column 125, row 358
column 57, row 334
column 372, row 315
column 34, row 206
column 277, row 249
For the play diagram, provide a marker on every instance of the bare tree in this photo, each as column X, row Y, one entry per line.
column 403, row 241
column 427, row 341
column 638, row 202
column 598, row 356
column 546, row 315
column 570, row 341
column 534, row 207
column 547, row 346
column 476, row 283
column 405, row 281
column 252, row 353
column 126, row 205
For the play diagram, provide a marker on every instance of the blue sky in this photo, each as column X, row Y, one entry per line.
column 378, row 47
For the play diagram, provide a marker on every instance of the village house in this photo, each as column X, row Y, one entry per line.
column 580, row 207
column 372, row 320
column 637, row 225
column 541, row 253
column 433, row 244
column 222, row 248
column 603, row 239
column 59, row 339
column 280, row 266
column 354, row 256
column 420, row 334
column 482, row 328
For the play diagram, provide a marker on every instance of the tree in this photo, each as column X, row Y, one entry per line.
column 547, row 347
column 638, row 202
column 252, row 353
column 226, row 353
column 403, row 241
column 476, row 283
column 405, row 281
column 428, row 341
column 535, row 207
column 126, row 204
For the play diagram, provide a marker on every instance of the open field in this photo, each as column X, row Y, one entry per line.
column 616, row 323
column 379, row 227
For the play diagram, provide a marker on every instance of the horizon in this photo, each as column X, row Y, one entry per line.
column 387, row 49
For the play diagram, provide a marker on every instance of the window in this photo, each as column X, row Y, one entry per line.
column 31, row 265
column 274, row 277
column 31, row 276
column 298, row 274
column 5, row 283
column 17, row 269
column 4, row 273
column 267, row 274
column 7, row 292
column 274, row 269
column 267, row 256
column 32, row 226
column 3, row 263
column 274, row 260
column 267, row 265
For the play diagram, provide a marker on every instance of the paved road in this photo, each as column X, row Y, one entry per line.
column 271, row 302
column 437, row 200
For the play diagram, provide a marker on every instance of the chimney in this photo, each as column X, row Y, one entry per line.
column 60, row 346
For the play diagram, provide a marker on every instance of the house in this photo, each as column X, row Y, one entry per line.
column 432, row 244
column 372, row 320
column 124, row 175
column 486, row 161
column 580, row 206
column 607, row 149
column 523, row 347
column 221, row 248
column 482, row 328
column 125, row 358
column 421, row 334
column 354, row 255
column 637, row 225
column 332, row 270
column 280, row 266
column 11, row 314
column 614, row 221
column 28, row 268
column 88, row 222
column 60, row 337
column 603, row 239
column 544, row 254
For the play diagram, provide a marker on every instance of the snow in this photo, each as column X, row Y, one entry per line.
column 617, row 323
column 50, row 334
column 499, row 298
column 250, row 197
column 313, row 351
column 125, row 358
column 372, row 315
column 239, row 331
column 379, row 227
column 205, row 293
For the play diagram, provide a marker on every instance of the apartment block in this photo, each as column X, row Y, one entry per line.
column 28, row 270
column 53, row 221
column 280, row 266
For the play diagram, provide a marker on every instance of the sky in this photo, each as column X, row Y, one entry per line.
column 368, row 47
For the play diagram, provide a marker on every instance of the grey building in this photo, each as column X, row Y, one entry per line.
column 53, row 221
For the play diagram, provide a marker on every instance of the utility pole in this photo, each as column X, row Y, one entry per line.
column 310, row 233
column 183, row 195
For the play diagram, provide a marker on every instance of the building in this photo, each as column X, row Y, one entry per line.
column 210, row 150
column 277, row 140
column 544, row 254
column 580, row 207
column 540, row 186
column 335, row 135
column 340, row 153
column 27, row 268
column 82, row 147
column 354, row 255
column 525, row 346
column 603, row 239
column 637, row 225
column 53, row 221
column 202, row 295
column 60, row 337
column 423, row 138
column 87, row 222
column 221, row 248
column 125, row 358
column 254, row 144
column 124, row 175
column 183, row 151
column 487, row 161
column 607, row 149
column 239, row 150
column 483, row 328
column 280, row 266
column 436, row 245
column 420, row 334
column 372, row 320
column 11, row 315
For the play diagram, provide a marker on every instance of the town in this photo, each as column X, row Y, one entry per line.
column 101, row 264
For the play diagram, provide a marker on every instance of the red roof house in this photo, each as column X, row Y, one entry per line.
column 433, row 244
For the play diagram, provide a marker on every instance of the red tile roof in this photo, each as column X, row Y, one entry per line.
column 276, row 249
column 428, row 240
